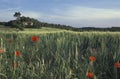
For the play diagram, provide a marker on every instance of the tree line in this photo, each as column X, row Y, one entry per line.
column 22, row 22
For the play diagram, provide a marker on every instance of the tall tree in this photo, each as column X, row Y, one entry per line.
column 17, row 15
column 17, row 23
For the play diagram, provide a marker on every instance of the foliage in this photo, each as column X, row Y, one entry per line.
column 19, row 23
column 17, row 15
column 59, row 55
column 35, row 22
column 22, row 22
column 2, row 23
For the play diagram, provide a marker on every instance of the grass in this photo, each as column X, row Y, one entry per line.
column 58, row 54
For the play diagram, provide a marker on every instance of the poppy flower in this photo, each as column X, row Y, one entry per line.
column 117, row 65
column 2, row 50
column 92, row 58
column 17, row 53
column 90, row 75
column 35, row 38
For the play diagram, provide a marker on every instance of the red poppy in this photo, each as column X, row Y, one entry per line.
column 17, row 53
column 92, row 58
column 2, row 50
column 90, row 75
column 117, row 64
column 35, row 38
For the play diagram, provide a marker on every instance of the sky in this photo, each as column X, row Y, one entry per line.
column 76, row 13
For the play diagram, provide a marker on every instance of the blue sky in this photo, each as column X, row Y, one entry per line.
column 77, row 13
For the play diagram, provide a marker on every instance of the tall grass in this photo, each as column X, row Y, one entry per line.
column 60, row 55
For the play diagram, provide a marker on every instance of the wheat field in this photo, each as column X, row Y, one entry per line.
column 59, row 54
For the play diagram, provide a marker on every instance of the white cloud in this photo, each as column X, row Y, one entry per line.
column 32, row 14
column 7, row 14
column 84, row 16
column 85, row 13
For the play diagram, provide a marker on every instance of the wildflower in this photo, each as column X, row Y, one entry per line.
column 35, row 38
column 92, row 58
column 90, row 75
column 2, row 50
column 117, row 65
column 9, row 41
column 17, row 53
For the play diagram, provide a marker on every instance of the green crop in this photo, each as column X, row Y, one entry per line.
column 59, row 55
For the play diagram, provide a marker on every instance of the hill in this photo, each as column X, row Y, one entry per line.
column 27, row 22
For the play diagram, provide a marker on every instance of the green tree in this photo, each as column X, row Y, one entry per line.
column 17, row 23
column 17, row 15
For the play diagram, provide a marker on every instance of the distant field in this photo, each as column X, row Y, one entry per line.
column 42, row 30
